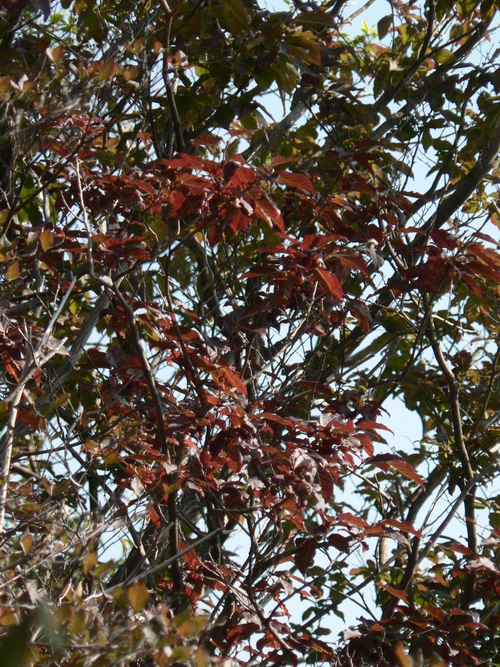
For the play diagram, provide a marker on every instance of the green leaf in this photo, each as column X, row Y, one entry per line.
column 13, row 649
column 445, row 57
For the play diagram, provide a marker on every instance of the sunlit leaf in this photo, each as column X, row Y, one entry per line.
column 138, row 595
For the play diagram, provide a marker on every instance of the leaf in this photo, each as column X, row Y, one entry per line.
column 444, row 239
column 107, row 70
column 13, row 271
column 471, row 284
column 383, row 26
column 329, row 282
column 352, row 520
column 188, row 625
column 234, row 380
column 298, row 181
column 55, row 53
column 353, row 261
column 237, row 15
column 402, row 658
column 268, row 212
column 363, row 315
column 30, row 418
column 26, row 543
column 384, row 461
column 402, row 525
column 326, row 481
column 269, row 416
column 445, row 57
column 14, row 645
column 89, row 562
column 396, row 592
column 305, row 551
column 370, row 424
column 340, row 542
column 138, row 596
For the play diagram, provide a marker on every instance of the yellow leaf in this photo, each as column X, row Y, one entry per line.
column 13, row 271
column 179, row 654
column 90, row 445
column 445, row 57
column 61, row 400
column 120, row 598
column 107, row 70
column 103, row 569
column 138, row 596
column 89, row 562
column 46, row 239
column 78, row 623
column 27, row 543
column 201, row 659
column 188, row 625
column 8, row 618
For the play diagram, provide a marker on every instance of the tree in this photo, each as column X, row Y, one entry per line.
column 204, row 311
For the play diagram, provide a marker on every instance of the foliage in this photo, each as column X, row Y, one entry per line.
column 204, row 311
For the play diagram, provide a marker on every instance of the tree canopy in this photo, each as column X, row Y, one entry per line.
column 230, row 234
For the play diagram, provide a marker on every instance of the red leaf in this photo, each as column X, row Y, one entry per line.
column 269, row 416
column 243, row 177
column 142, row 185
column 234, row 380
column 229, row 169
column 471, row 284
column 355, row 262
column 329, row 282
column 29, row 418
column 384, row 461
column 326, row 481
column 269, row 213
column 484, row 237
column 238, row 220
column 443, row 239
column 339, row 542
column 240, row 632
column 305, row 552
column 183, row 160
column 405, row 526
column 154, row 517
column 362, row 313
column 370, row 424
column 395, row 592
column 352, row 520
column 408, row 471
column 298, row 181
column 461, row 549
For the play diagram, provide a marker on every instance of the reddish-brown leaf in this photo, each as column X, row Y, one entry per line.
column 395, row 592
column 339, row 542
column 386, row 461
column 404, row 526
column 305, row 552
column 298, row 181
column 268, row 212
column 329, row 282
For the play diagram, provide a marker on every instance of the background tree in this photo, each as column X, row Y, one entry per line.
column 204, row 310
